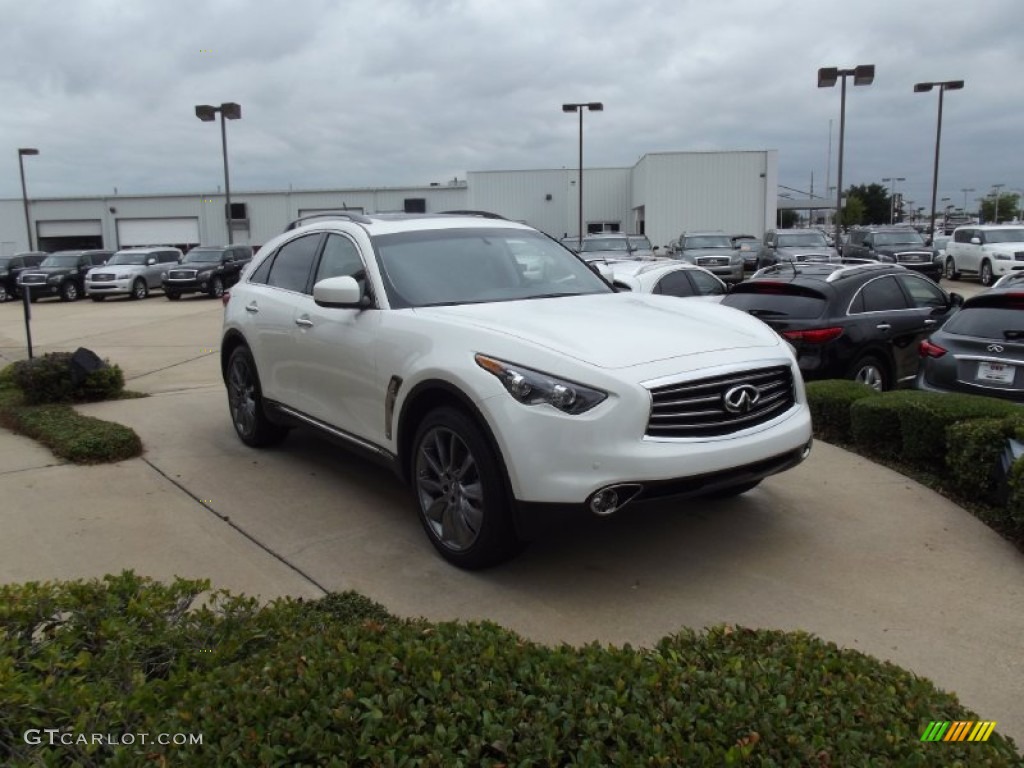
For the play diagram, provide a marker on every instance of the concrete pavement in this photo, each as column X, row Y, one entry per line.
column 840, row 547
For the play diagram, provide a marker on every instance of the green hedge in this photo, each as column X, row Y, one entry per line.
column 875, row 423
column 830, row 403
column 340, row 682
column 47, row 379
column 972, row 454
column 927, row 417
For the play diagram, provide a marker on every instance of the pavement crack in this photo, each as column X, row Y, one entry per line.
column 168, row 367
column 227, row 520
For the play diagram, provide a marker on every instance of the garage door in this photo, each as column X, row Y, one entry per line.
column 134, row 232
column 85, row 227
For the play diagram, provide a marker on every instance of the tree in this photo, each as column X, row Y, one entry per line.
column 876, row 201
column 788, row 218
column 853, row 211
column 1009, row 207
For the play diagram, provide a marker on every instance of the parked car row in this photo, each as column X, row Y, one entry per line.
column 133, row 272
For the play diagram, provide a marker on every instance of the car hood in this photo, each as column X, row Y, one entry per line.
column 692, row 253
column 116, row 268
column 49, row 270
column 615, row 330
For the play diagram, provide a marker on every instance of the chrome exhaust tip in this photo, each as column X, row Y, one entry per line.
column 609, row 500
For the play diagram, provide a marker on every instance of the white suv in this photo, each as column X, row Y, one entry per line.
column 506, row 393
column 989, row 251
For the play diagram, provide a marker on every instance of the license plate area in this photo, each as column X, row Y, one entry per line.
column 995, row 373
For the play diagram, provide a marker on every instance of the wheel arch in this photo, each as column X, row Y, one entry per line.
column 880, row 353
column 232, row 340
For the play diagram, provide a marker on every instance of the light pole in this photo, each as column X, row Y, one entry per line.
column 965, row 190
column 943, row 86
column 863, row 74
column 593, row 106
column 892, row 195
column 24, row 194
column 231, row 111
column 995, row 194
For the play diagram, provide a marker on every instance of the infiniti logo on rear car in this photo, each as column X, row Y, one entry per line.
column 995, row 347
column 741, row 399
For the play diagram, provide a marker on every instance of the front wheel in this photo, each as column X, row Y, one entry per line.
column 871, row 372
column 245, row 402
column 986, row 274
column 217, row 288
column 69, row 291
column 950, row 270
column 139, row 289
column 3, row 294
column 461, row 492
column 172, row 295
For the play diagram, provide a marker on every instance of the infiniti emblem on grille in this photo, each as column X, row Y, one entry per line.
column 741, row 399
column 995, row 347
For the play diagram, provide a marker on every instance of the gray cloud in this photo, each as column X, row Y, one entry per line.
column 411, row 91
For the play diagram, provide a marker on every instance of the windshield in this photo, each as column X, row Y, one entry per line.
column 63, row 259
column 640, row 243
column 470, row 266
column 1004, row 236
column 1002, row 323
column 199, row 256
column 910, row 237
column 605, row 244
column 803, row 240
column 123, row 258
column 707, row 241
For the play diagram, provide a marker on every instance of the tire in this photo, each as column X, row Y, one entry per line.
column 871, row 371
column 139, row 289
column 69, row 291
column 736, row 490
column 950, row 272
column 986, row 273
column 172, row 296
column 96, row 297
column 245, row 403
column 3, row 294
column 460, row 491
column 216, row 288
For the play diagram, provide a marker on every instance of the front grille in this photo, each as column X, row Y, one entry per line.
column 697, row 408
column 1019, row 256
column 712, row 262
column 181, row 274
column 101, row 278
column 813, row 257
column 912, row 258
column 33, row 279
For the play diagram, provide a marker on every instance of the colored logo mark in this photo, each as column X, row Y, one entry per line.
column 958, row 730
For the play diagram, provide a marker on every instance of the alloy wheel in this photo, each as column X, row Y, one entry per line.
column 242, row 396
column 871, row 375
column 449, row 489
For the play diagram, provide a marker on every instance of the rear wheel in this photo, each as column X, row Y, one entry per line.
column 986, row 273
column 69, row 291
column 217, row 288
column 871, row 371
column 3, row 293
column 950, row 269
column 245, row 402
column 461, row 492
column 139, row 289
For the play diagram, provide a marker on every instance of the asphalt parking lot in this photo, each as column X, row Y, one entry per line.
column 840, row 547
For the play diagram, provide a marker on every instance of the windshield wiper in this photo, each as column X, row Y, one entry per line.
column 552, row 295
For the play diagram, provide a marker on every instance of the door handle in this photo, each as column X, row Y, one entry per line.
column 929, row 322
column 251, row 307
column 305, row 322
column 884, row 327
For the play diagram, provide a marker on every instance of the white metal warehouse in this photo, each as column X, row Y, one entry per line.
column 663, row 194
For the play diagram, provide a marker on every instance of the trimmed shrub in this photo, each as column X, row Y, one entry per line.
column 72, row 436
column 875, row 422
column 973, row 451
column 48, row 379
column 929, row 414
column 340, row 682
column 1015, row 501
column 830, row 403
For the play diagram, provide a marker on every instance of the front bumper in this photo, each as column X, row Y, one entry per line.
column 109, row 287
column 186, row 285
column 1002, row 267
column 40, row 290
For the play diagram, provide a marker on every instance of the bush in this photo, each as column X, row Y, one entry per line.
column 830, row 403
column 875, row 423
column 339, row 681
column 927, row 416
column 48, row 379
column 973, row 451
column 72, row 436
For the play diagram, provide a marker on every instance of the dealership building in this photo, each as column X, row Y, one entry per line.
column 663, row 194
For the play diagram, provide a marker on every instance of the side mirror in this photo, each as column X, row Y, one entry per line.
column 151, row 261
column 975, row 241
column 339, row 293
column 956, row 300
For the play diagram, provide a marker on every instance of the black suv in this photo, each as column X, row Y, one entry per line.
column 62, row 274
column 859, row 322
column 892, row 245
column 209, row 269
column 11, row 267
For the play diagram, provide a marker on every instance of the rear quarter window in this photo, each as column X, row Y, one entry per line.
column 1002, row 323
column 776, row 300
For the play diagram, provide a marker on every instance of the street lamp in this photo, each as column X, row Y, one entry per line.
column 228, row 111
column 863, row 74
column 593, row 106
column 943, row 86
column 995, row 194
column 892, row 195
column 965, row 190
column 24, row 195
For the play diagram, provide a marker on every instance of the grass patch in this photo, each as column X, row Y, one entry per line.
column 339, row 681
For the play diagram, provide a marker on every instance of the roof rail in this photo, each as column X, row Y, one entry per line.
column 340, row 214
column 481, row 214
column 848, row 269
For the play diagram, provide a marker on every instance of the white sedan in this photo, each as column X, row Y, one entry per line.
column 668, row 277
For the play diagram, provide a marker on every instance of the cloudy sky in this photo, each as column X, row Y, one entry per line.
column 403, row 92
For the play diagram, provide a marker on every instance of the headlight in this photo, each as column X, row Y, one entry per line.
column 1003, row 257
column 54, row 279
column 532, row 387
column 885, row 257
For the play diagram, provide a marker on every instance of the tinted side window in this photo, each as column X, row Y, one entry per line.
column 706, row 285
column 674, row 284
column 167, row 257
column 259, row 275
column 340, row 259
column 882, row 294
column 293, row 263
column 1000, row 323
column 17, row 263
column 923, row 292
